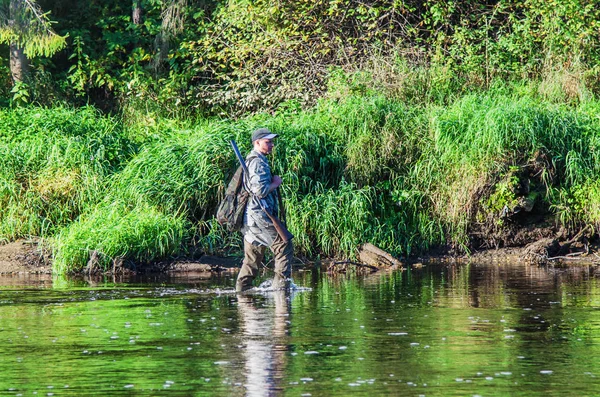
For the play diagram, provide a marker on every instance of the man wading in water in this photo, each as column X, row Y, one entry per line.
column 258, row 229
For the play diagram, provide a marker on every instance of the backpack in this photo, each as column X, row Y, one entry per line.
column 230, row 212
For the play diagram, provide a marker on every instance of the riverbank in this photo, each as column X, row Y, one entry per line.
column 500, row 168
column 25, row 257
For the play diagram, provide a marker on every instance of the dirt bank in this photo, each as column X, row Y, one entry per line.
column 23, row 256
column 27, row 257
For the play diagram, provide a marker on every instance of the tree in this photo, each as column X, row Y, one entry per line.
column 28, row 32
column 173, row 19
column 136, row 12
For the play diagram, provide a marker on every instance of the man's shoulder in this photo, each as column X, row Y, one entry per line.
column 256, row 157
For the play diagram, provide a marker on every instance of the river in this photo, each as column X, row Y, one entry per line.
column 441, row 330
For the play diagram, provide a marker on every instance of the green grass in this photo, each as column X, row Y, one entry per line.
column 139, row 233
column 53, row 164
column 370, row 168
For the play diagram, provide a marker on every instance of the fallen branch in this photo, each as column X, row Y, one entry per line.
column 375, row 256
column 563, row 257
column 573, row 256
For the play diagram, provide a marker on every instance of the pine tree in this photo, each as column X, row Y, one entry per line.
column 28, row 31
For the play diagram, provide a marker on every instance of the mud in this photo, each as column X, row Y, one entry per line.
column 29, row 257
column 24, row 257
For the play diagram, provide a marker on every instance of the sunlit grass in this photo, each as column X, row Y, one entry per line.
column 138, row 233
column 406, row 177
column 53, row 164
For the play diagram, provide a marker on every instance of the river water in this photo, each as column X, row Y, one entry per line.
column 442, row 330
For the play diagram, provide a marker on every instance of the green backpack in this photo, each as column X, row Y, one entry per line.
column 230, row 212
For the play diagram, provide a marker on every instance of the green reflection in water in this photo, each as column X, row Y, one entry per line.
column 436, row 331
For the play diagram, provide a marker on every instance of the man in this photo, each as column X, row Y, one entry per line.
column 258, row 230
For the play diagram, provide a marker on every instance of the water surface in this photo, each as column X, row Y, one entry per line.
column 488, row 330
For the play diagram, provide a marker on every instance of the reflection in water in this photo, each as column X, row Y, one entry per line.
column 264, row 333
column 441, row 330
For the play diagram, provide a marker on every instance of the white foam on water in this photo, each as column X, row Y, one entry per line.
column 267, row 286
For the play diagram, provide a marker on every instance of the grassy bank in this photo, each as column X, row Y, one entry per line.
column 367, row 168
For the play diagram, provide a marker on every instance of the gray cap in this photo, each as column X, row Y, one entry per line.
column 262, row 133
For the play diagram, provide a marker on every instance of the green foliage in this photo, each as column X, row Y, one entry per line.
column 20, row 93
column 236, row 57
column 259, row 54
column 27, row 26
column 118, row 230
column 331, row 222
column 503, row 198
column 174, row 180
column 53, row 164
column 181, row 174
column 364, row 169
column 421, row 110
column 578, row 205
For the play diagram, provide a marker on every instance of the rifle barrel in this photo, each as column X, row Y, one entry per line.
column 239, row 156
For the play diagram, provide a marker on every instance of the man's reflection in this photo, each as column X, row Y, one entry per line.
column 264, row 333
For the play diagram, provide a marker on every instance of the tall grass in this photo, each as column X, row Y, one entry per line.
column 474, row 142
column 177, row 178
column 331, row 221
column 115, row 231
column 53, row 164
column 365, row 168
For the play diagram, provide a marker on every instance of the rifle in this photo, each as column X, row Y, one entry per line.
column 280, row 227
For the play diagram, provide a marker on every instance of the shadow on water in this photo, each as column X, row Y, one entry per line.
column 441, row 330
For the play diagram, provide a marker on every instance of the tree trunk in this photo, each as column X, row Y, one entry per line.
column 136, row 12
column 19, row 65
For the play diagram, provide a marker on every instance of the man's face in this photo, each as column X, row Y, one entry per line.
column 264, row 146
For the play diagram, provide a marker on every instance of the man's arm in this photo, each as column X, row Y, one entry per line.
column 261, row 181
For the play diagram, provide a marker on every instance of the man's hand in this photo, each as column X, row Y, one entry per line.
column 275, row 183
